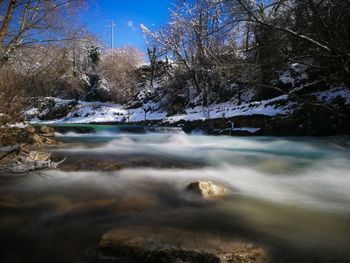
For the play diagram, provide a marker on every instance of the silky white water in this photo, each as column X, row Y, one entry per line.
column 306, row 172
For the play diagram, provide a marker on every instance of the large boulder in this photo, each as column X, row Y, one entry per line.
column 208, row 190
column 159, row 245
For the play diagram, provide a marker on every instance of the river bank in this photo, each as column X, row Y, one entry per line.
column 279, row 116
column 303, row 122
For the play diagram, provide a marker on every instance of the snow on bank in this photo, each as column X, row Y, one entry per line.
column 225, row 110
column 295, row 74
column 331, row 96
column 97, row 112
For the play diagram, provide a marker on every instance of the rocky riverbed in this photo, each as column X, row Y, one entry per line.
column 23, row 149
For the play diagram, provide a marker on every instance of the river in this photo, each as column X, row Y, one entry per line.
column 291, row 195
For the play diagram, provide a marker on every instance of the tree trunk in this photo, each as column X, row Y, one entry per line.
column 239, row 96
column 153, row 61
column 4, row 29
column 7, row 20
column 247, row 35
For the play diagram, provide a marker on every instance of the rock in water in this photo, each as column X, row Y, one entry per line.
column 144, row 245
column 24, row 159
column 11, row 136
column 208, row 190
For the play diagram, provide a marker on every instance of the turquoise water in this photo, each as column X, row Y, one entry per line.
column 291, row 195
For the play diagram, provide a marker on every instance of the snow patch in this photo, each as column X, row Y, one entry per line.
column 336, row 93
column 295, row 74
column 225, row 110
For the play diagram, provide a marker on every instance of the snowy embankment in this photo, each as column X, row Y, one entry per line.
column 96, row 112
column 226, row 110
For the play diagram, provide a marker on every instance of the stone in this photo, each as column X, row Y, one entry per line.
column 25, row 148
column 26, row 153
column 23, row 159
column 30, row 129
column 208, row 190
column 39, row 156
column 51, row 110
column 49, row 141
column 6, row 139
column 47, row 131
column 147, row 245
column 37, row 139
column 10, row 136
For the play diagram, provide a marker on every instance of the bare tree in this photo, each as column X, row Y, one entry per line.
column 34, row 49
column 203, row 37
column 28, row 22
column 118, row 67
column 315, row 29
column 153, row 52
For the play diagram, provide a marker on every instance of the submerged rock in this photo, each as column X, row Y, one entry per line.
column 174, row 245
column 208, row 190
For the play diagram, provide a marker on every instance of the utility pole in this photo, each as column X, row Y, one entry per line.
column 112, row 33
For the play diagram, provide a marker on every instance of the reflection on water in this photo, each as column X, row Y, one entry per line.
column 291, row 195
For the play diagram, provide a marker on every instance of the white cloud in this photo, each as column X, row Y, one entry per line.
column 130, row 23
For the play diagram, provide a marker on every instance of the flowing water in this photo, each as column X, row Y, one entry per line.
column 291, row 195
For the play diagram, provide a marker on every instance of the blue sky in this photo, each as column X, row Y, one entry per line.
column 127, row 15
